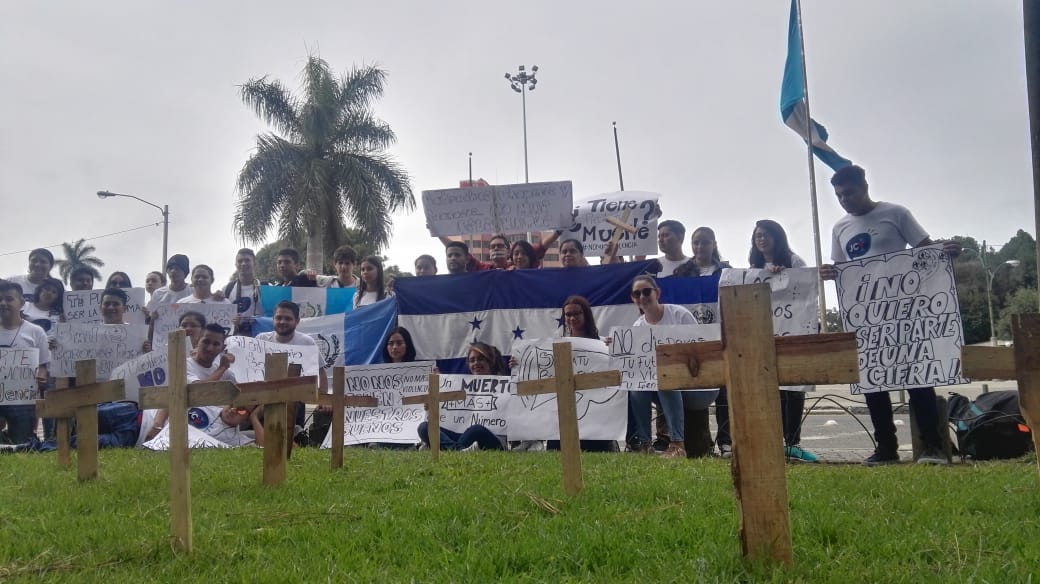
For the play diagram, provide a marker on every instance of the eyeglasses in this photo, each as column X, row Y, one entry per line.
column 645, row 292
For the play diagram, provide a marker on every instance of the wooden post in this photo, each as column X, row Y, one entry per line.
column 81, row 401
column 276, row 419
column 180, row 468
column 564, row 384
column 433, row 400
column 752, row 364
column 337, row 400
column 62, row 431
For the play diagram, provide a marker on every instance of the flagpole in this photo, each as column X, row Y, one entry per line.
column 617, row 153
column 812, row 168
column 1031, row 25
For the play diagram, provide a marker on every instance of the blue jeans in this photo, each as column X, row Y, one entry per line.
column 21, row 422
column 455, row 441
column 671, row 403
column 922, row 400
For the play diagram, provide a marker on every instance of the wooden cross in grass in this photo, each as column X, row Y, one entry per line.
column 80, row 402
column 1020, row 362
column 564, row 385
column 338, row 400
column 752, row 364
column 433, row 399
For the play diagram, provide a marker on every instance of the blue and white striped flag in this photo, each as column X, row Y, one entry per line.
column 793, row 105
column 313, row 301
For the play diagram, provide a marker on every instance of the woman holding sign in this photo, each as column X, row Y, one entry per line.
column 770, row 251
column 481, row 359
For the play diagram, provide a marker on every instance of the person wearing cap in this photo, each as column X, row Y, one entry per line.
column 40, row 263
column 177, row 270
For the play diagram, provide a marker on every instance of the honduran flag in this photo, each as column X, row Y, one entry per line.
column 793, row 105
column 445, row 314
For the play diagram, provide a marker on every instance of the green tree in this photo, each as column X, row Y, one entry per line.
column 324, row 163
column 1021, row 301
column 78, row 255
column 266, row 255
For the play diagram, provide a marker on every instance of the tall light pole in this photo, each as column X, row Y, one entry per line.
column 165, row 210
column 521, row 83
column 990, row 274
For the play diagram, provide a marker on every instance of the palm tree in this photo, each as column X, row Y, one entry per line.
column 78, row 255
column 325, row 162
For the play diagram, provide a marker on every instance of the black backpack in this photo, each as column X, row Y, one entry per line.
column 991, row 427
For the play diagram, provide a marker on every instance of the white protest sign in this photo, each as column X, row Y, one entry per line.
column 795, row 293
column 84, row 306
column 904, row 310
column 170, row 314
column 390, row 421
column 485, row 403
column 148, row 370
column 250, row 355
column 602, row 413
column 633, row 349
column 18, row 376
column 499, row 209
column 110, row 345
column 592, row 230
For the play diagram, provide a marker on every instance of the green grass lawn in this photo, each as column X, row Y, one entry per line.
column 492, row 516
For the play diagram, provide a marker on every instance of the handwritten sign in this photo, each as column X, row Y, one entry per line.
column 148, row 370
column 249, row 357
column 592, row 230
column 110, row 345
column 170, row 314
column 485, row 403
column 904, row 310
column 18, row 376
column 602, row 413
column 795, row 293
column 499, row 209
column 633, row 349
column 84, row 306
column 390, row 421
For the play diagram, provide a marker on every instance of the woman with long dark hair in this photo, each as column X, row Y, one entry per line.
column 481, row 359
column 372, row 287
column 399, row 347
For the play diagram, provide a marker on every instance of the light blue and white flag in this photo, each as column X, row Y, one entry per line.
column 793, row 104
column 313, row 301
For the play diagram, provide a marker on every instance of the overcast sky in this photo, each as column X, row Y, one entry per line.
column 142, row 97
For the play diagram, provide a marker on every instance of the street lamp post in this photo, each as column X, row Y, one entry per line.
column 165, row 210
column 521, row 83
column 990, row 274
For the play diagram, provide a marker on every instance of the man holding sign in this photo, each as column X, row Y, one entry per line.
column 873, row 228
column 16, row 333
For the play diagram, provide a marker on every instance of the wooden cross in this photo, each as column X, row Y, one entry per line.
column 752, row 364
column 80, row 401
column 433, row 399
column 1021, row 362
column 564, row 384
column 621, row 226
column 338, row 401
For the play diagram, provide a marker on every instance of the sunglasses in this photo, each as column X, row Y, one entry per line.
column 645, row 292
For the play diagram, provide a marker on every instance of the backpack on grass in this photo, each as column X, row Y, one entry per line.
column 991, row 427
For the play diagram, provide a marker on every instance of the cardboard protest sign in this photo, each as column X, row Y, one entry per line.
column 602, row 413
column 485, row 403
column 904, row 310
column 594, row 232
column 148, row 370
column 250, row 353
column 18, row 376
column 313, row 301
column 499, row 209
column 391, row 421
column 170, row 314
column 84, row 306
column 110, row 345
column 633, row 349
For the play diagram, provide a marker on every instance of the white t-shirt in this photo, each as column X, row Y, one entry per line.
column 195, row 300
column 796, row 262
column 298, row 339
column 333, row 282
column 885, row 229
column 668, row 266
column 370, row 297
column 207, row 418
column 243, row 297
column 41, row 318
column 166, row 296
column 28, row 288
column 26, row 336
column 673, row 314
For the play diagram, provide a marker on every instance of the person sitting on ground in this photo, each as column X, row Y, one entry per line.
column 192, row 323
column 482, row 359
column 770, row 251
column 372, row 287
column 212, row 363
column 425, row 265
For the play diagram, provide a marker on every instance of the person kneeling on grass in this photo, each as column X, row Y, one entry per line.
column 482, row 359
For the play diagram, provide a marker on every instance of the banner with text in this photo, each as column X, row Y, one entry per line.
column 602, row 413
column 110, row 345
column 485, row 403
column 391, row 421
column 250, row 354
column 542, row 206
column 633, row 349
column 18, row 376
column 170, row 314
column 904, row 310
column 594, row 232
column 148, row 370
column 84, row 306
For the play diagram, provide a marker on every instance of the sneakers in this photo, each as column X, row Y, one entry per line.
column 932, row 455
column 641, row 448
column 726, row 450
column 882, row 457
column 797, row 453
column 424, row 446
column 674, row 450
column 472, row 447
column 661, row 445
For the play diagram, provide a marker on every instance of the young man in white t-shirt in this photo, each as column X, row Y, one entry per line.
column 18, row 333
column 244, row 293
column 211, row 363
column 177, row 269
column 670, row 236
column 873, row 228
